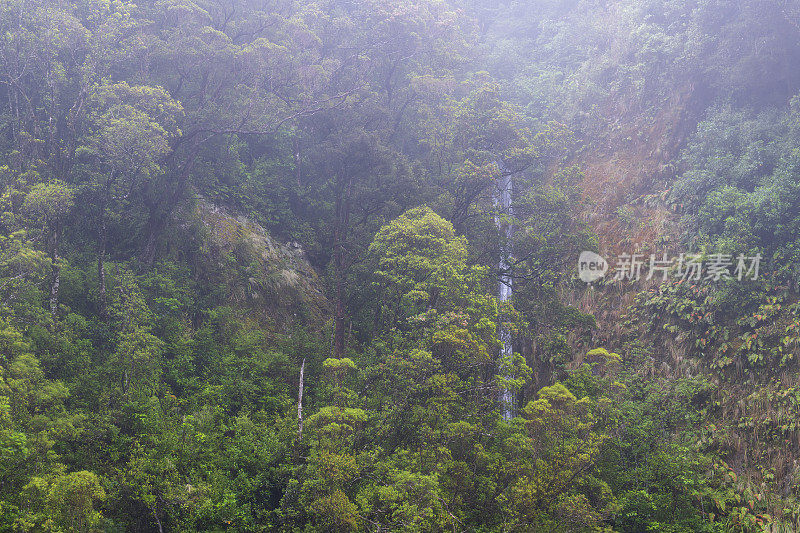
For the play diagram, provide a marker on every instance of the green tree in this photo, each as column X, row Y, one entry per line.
column 49, row 203
column 131, row 130
column 66, row 502
column 557, row 483
column 418, row 255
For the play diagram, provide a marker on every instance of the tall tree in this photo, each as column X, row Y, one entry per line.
column 130, row 132
column 49, row 203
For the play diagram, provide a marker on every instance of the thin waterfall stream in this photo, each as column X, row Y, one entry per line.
column 503, row 220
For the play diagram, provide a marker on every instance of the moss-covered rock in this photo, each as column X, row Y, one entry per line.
column 274, row 280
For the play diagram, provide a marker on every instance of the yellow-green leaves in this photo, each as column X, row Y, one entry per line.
column 419, row 257
column 133, row 127
column 62, row 502
column 49, row 201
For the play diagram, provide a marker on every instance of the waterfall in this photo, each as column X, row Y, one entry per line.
column 503, row 213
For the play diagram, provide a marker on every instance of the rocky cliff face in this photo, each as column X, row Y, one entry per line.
column 273, row 280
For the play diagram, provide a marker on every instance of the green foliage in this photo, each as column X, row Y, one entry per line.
column 740, row 193
column 67, row 502
column 150, row 374
column 49, row 201
column 419, row 257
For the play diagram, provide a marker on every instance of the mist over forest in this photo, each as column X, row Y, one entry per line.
column 400, row 266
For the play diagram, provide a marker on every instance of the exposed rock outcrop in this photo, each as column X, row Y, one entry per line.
column 273, row 280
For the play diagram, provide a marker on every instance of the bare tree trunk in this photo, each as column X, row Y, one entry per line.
column 300, row 402
column 101, row 258
column 56, row 272
column 338, row 322
column 158, row 520
column 158, row 219
column 296, row 143
column 340, row 235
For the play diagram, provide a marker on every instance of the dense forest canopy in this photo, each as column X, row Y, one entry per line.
column 299, row 266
